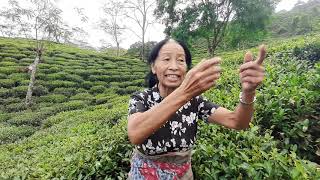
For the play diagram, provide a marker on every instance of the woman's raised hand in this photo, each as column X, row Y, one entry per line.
column 201, row 77
column 252, row 72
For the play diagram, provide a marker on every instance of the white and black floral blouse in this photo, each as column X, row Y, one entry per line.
column 177, row 134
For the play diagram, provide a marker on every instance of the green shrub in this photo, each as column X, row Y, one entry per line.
column 7, row 83
column 7, row 63
column 310, row 52
column 26, row 60
column 40, row 90
column 54, row 98
column 9, row 58
column 86, row 84
column 71, row 148
column 97, row 89
column 9, row 70
column 64, row 76
column 58, row 83
column 3, row 76
column 289, row 104
column 54, row 69
column 24, row 82
column 82, row 96
column 18, row 56
column 227, row 154
column 16, row 107
column 73, row 105
column 10, row 100
column 4, row 93
column 10, row 134
column 28, row 118
column 65, row 91
column 19, row 76
column 20, row 91
column 81, row 90
column 128, row 90
column 4, row 116
column 104, row 98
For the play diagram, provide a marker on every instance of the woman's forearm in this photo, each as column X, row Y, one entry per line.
column 244, row 112
column 142, row 125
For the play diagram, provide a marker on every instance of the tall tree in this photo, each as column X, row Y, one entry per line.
column 140, row 11
column 111, row 23
column 167, row 7
column 42, row 22
column 208, row 19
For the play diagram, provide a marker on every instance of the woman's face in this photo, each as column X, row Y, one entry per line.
column 170, row 65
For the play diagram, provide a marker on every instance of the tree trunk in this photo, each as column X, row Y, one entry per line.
column 143, row 27
column 142, row 56
column 118, row 49
column 32, row 81
column 210, row 49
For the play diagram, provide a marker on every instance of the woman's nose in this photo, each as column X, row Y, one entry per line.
column 173, row 65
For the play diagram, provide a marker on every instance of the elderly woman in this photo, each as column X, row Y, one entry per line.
column 162, row 121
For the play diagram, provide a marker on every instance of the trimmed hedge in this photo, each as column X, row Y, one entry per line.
column 9, row 134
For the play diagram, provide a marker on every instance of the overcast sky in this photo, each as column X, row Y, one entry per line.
column 92, row 9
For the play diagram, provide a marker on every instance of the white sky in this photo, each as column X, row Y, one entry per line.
column 92, row 9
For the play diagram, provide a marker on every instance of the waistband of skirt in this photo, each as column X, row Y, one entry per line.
column 171, row 157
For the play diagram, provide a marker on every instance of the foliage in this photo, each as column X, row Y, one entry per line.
column 310, row 52
column 77, row 129
column 135, row 49
column 302, row 19
column 209, row 19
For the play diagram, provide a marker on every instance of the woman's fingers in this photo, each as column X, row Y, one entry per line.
column 254, row 80
column 205, row 64
column 248, row 57
column 251, row 72
column 209, row 81
column 251, row 65
column 262, row 54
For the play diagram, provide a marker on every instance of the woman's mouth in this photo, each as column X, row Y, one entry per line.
column 172, row 77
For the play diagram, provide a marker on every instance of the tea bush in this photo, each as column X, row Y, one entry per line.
column 55, row 98
column 97, row 89
column 310, row 52
column 66, row 135
column 9, row 134
column 15, row 107
column 227, row 154
column 7, row 83
column 65, row 91
column 19, row 91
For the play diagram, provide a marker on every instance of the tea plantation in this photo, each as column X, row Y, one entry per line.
column 76, row 126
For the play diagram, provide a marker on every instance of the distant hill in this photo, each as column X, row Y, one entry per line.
column 302, row 19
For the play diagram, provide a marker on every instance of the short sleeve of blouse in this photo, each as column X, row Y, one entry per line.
column 137, row 103
column 205, row 108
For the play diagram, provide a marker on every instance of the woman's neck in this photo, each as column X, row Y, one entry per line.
column 164, row 91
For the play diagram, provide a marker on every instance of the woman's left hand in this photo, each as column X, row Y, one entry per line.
column 252, row 72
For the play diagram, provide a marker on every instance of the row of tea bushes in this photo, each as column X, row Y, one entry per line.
column 68, row 144
column 93, row 144
column 288, row 101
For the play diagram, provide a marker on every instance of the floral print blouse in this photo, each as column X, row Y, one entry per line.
column 178, row 133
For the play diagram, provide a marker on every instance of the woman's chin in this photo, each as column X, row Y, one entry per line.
column 173, row 84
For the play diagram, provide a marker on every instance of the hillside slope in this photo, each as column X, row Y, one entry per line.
column 77, row 126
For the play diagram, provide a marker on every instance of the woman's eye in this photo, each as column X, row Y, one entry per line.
column 181, row 60
column 166, row 59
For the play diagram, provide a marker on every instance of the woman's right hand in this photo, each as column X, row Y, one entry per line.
column 201, row 77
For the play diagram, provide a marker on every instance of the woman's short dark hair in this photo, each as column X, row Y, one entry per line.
column 151, row 79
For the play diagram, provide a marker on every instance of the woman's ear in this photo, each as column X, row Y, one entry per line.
column 153, row 68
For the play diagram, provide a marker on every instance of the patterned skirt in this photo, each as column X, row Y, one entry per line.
column 170, row 166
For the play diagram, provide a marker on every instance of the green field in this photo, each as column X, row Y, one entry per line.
column 76, row 126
